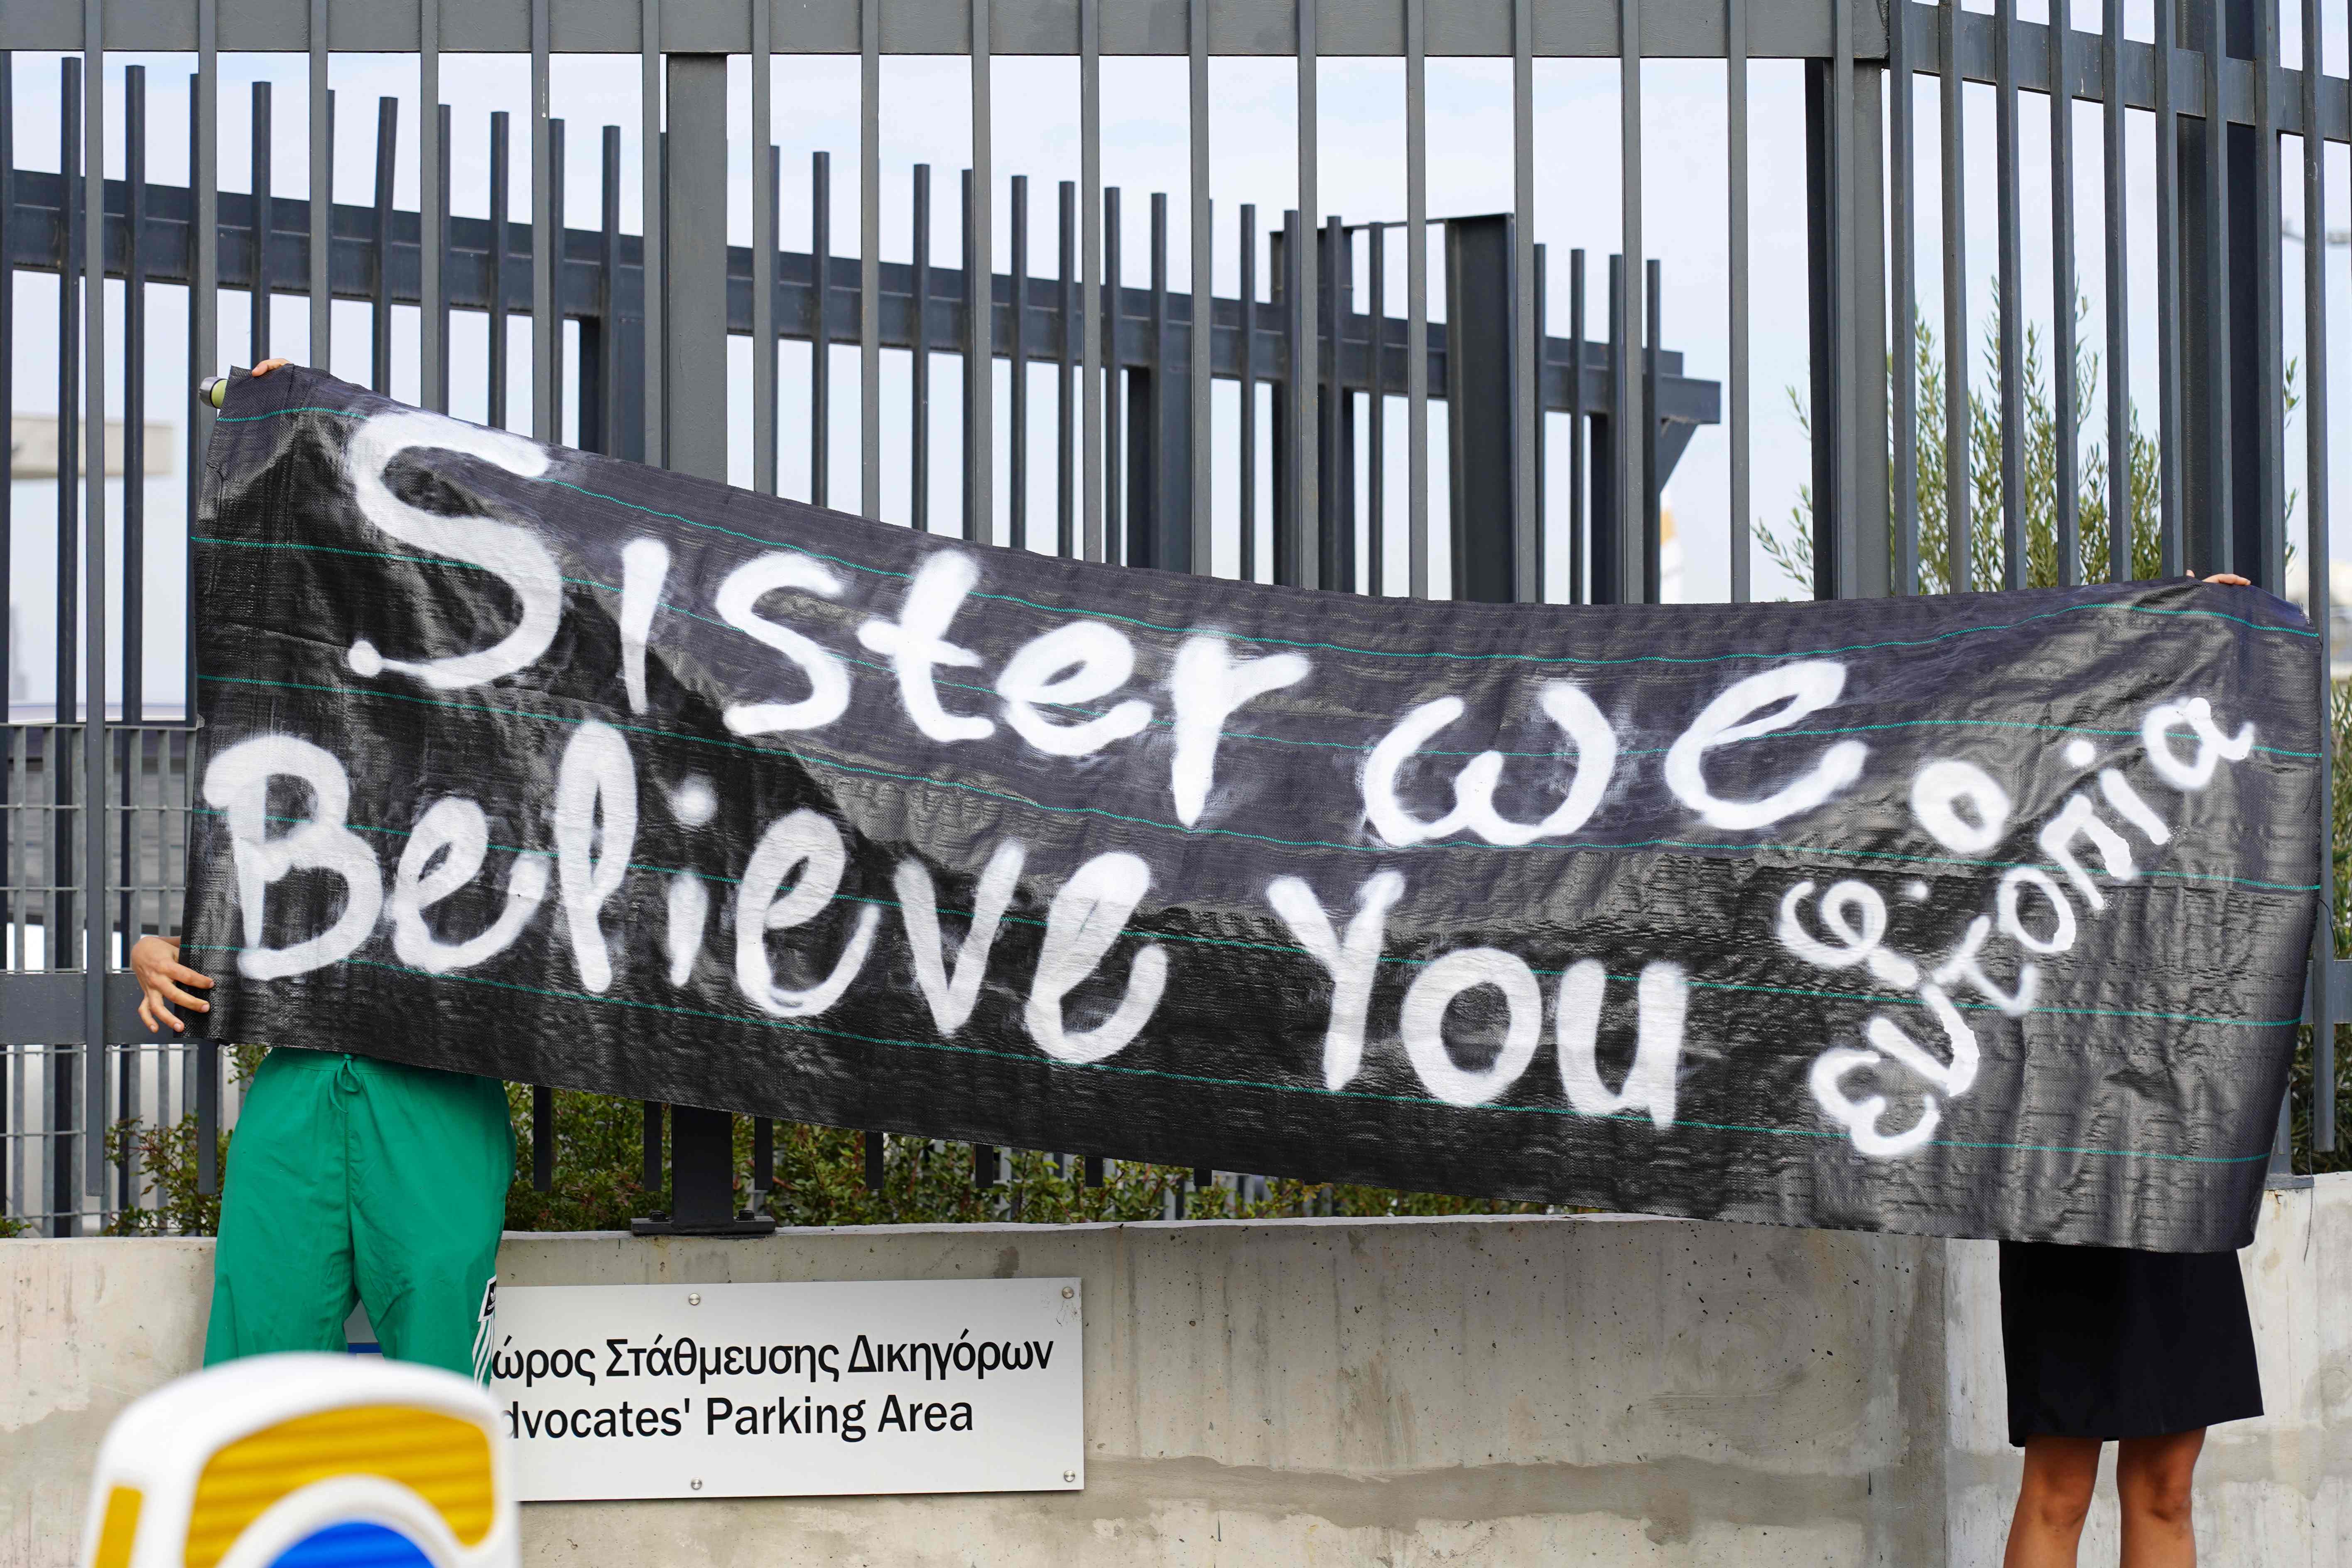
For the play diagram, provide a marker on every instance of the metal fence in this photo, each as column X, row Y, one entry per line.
column 1134, row 362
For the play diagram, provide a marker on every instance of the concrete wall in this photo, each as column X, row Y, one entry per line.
column 1481, row 1391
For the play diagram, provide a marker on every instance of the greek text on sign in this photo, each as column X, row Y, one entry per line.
column 792, row 1390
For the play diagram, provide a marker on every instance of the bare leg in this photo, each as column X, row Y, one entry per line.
column 2152, row 1479
column 2052, row 1499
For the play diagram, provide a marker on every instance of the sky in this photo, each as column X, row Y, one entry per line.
column 926, row 118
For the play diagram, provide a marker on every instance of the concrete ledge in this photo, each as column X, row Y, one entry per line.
column 1347, row 1391
column 1481, row 1390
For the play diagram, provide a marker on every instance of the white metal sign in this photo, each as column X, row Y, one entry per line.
column 798, row 1390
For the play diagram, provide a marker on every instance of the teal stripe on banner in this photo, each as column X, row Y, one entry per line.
column 1230, row 734
column 928, row 780
column 1881, row 998
column 1026, row 1058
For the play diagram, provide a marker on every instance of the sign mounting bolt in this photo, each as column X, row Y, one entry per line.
column 695, row 1299
column 1069, row 1292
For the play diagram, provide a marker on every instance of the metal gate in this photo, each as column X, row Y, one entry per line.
column 1133, row 361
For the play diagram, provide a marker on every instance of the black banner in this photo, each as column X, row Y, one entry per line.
column 1970, row 915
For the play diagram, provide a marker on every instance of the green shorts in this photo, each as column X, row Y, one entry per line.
column 356, row 1180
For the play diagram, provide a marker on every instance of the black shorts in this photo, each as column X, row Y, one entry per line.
column 2100, row 1342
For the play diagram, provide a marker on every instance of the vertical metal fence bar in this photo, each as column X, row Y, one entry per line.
column 2317, row 517
column 608, row 284
column 554, row 306
column 1376, row 315
column 501, row 194
column 2168, row 303
column 1625, row 329
column 655, row 242
column 1156, row 476
column 122, row 752
column 650, row 1142
column 767, row 180
column 546, row 324
column 1017, row 448
column 2011, row 313
column 1283, row 272
column 869, row 264
column 1543, row 426
column 1306, row 501
column 438, row 330
column 2270, row 530
column 387, row 147
column 12, row 896
column 1527, row 527
column 974, row 525
column 543, row 1137
column 1646, row 412
column 209, row 1117
column 203, row 309
column 1416, row 294
column 820, row 329
column 1153, row 477
column 1245, row 354
column 134, row 435
column 1960, row 574
column 980, row 349
column 1066, row 375
column 2118, row 286
column 1115, row 387
column 12, row 813
column 1203, row 235
column 57, row 853
column 12, row 1063
column 1841, row 548
column 767, row 192
column 1735, row 111
column 2066, row 418
column 920, row 416
column 1335, row 524
column 2220, row 361
column 432, row 148
column 1902, row 149
column 1090, row 206
column 1579, row 578
column 322, row 193
column 93, row 728
column 264, row 212
column 1610, row 521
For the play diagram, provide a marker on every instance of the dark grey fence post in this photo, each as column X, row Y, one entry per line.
column 1481, row 386
column 702, row 1141
column 2220, row 378
column 1847, row 300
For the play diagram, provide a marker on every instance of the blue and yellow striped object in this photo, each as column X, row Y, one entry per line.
column 304, row 1461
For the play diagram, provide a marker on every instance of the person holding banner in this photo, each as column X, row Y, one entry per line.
column 2145, row 1350
column 355, row 1179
